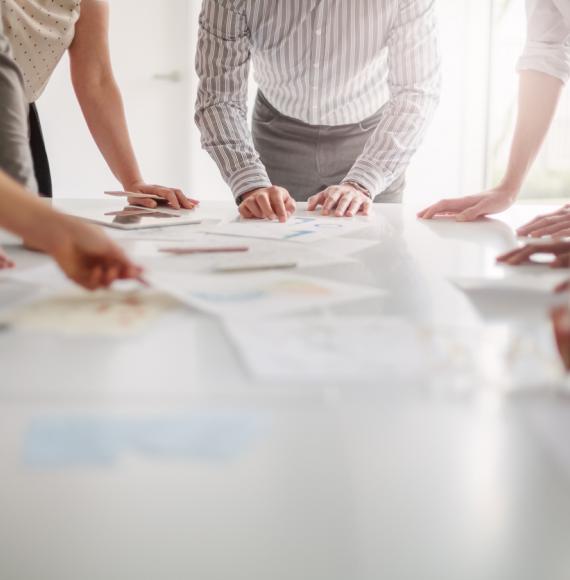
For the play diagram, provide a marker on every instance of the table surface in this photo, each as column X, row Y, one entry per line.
column 344, row 481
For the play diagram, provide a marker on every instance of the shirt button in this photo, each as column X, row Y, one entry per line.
column 318, row 31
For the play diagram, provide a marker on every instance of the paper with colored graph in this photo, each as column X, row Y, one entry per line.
column 103, row 313
column 257, row 295
column 303, row 227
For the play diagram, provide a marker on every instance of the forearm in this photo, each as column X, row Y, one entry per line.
column 221, row 106
column 391, row 147
column 415, row 86
column 227, row 139
column 539, row 95
column 25, row 215
column 104, row 112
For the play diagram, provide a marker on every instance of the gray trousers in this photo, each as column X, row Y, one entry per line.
column 15, row 154
column 305, row 159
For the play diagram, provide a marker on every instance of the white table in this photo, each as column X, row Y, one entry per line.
column 348, row 481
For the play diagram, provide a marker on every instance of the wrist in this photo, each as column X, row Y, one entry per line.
column 509, row 188
column 51, row 234
column 359, row 188
column 133, row 183
column 247, row 194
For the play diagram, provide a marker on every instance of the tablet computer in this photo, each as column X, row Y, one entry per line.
column 134, row 218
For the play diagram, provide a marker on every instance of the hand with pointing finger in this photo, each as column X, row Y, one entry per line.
column 269, row 203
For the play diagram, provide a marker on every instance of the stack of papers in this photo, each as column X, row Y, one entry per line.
column 151, row 253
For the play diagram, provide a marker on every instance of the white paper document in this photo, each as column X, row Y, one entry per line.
column 539, row 283
column 258, row 295
column 303, row 227
column 343, row 247
column 151, row 254
column 383, row 350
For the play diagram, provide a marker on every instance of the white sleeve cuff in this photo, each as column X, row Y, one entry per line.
column 550, row 59
column 247, row 179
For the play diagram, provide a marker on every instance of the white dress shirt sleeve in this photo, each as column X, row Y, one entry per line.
column 547, row 48
column 223, row 65
column 415, row 85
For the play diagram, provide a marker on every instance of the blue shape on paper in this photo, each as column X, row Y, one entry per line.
column 101, row 441
column 299, row 234
column 302, row 221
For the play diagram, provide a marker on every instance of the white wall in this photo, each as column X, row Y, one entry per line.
column 145, row 42
column 451, row 162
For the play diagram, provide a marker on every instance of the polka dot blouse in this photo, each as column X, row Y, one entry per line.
column 40, row 32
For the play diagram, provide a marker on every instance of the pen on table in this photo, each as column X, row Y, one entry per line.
column 142, row 281
column 204, row 250
column 255, row 268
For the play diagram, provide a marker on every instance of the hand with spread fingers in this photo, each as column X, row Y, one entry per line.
column 524, row 255
column 5, row 261
column 555, row 224
column 268, row 203
column 471, row 207
column 346, row 200
column 175, row 198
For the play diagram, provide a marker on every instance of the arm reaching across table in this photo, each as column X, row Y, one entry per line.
column 538, row 100
column 83, row 252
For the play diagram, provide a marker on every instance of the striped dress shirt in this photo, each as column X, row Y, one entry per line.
column 323, row 62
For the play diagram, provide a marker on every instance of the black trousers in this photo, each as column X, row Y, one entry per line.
column 39, row 154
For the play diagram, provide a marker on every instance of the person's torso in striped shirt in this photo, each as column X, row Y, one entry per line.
column 320, row 61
